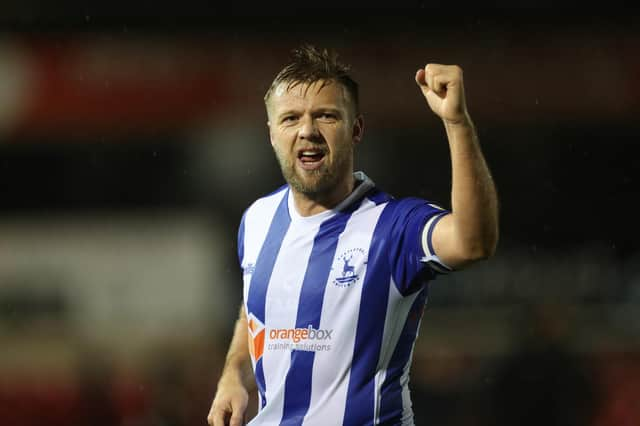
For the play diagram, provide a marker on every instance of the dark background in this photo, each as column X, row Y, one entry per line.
column 137, row 111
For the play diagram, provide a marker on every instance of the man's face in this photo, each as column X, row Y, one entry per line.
column 313, row 130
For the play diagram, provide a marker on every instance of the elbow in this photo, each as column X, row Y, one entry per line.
column 480, row 250
column 478, row 254
column 489, row 248
column 472, row 247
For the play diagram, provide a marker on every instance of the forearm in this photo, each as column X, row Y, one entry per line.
column 237, row 367
column 474, row 200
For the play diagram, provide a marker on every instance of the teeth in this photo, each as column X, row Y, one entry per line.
column 309, row 152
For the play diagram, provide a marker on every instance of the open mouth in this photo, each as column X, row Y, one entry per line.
column 311, row 158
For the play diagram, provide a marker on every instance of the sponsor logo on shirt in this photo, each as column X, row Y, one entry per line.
column 346, row 267
column 298, row 334
column 301, row 339
column 256, row 337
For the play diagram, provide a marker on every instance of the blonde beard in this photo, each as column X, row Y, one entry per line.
column 323, row 180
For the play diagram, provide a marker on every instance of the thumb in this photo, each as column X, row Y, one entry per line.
column 421, row 80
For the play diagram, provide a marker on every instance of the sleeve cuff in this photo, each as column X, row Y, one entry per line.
column 430, row 257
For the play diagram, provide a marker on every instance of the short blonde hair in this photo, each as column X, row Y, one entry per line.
column 308, row 65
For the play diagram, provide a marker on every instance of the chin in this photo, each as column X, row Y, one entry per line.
column 312, row 185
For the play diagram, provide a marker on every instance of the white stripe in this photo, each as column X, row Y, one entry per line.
column 257, row 221
column 407, row 411
column 425, row 236
column 283, row 295
column 379, row 380
column 340, row 311
column 398, row 308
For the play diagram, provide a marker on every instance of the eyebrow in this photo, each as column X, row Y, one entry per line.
column 328, row 109
column 315, row 110
column 286, row 112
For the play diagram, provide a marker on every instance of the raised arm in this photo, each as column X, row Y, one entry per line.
column 470, row 232
column 232, row 396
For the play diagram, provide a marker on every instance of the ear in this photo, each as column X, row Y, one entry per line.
column 358, row 129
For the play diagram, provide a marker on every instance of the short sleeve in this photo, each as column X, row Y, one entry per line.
column 411, row 256
column 430, row 257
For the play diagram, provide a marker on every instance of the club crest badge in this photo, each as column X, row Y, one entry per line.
column 348, row 267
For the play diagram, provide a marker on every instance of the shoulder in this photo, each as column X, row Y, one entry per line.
column 399, row 205
column 266, row 201
column 411, row 213
column 407, row 204
column 261, row 211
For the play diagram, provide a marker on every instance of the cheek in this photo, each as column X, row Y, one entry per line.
column 282, row 151
column 276, row 138
column 341, row 141
column 283, row 136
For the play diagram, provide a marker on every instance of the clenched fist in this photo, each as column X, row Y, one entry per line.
column 443, row 88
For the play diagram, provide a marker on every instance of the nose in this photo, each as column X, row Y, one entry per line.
column 308, row 129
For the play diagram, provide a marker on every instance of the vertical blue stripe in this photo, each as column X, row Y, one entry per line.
column 297, row 392
column 262, row 275
column 259, row 373
column 391, row 390
column 360, row 405
column 267, row 259
column 241, row 238
column 298, row 382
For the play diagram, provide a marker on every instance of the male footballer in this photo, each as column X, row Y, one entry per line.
column 335, row 270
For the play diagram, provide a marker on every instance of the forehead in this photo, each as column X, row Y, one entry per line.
column 321, row 92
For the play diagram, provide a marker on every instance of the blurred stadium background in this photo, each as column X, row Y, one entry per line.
column 132, row 137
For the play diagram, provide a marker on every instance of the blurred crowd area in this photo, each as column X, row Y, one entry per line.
column 130, row 147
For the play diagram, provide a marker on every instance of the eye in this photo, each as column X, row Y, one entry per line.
column 328, row 116
column 289, row 119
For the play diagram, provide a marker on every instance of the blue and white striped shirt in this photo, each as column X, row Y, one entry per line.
column 334, row 303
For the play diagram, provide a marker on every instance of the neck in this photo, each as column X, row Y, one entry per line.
column 310, row 204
